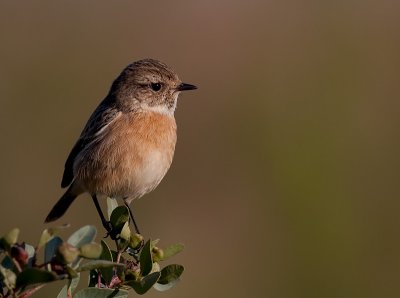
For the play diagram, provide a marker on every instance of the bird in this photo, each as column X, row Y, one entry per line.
column 128, row 143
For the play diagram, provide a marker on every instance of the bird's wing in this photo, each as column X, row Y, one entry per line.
column 97, row 123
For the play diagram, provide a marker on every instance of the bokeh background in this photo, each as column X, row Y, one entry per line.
column 285, row 181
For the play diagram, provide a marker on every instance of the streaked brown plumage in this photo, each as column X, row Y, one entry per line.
column 128, row 143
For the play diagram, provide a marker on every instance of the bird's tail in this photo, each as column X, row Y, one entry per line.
column 62, row 205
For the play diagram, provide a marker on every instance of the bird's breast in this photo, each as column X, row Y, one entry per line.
column 131, row 157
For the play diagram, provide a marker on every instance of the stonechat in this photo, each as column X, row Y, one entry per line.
column 128, row 143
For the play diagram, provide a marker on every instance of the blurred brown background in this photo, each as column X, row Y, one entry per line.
column 285, row 181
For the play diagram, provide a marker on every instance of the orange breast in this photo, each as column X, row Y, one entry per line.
column 130, row 157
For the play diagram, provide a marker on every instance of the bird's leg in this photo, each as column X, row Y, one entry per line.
column 139, row 247
column 132, row 217
column 106, row 224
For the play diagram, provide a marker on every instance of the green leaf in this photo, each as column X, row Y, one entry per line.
column 101, row 293
column 31, row 276
column 155, row 267
column 145, row 283
column 7, row 277
column 158, row 254
column 135, row 240
column 51, row 248
column 111, row 205
column 69, row 287
column 49, row 233
column 169, row 277
column 67, row 253
column 172, row 250
column 124, row 237
column 63, row 293
column 119, row 217
column 163, row 288
column 154, row 242
column 44, row 238
column 71, row 272
column 73, row 283
column 12, row 237
column 98, row 264
column 106, row 252
column 125, row 232
column 170, row 273
column 146, row 259
column 93, row 278
column 106, row 273
column 9, row 239
column 91, row 250
column 83, row 236
column 7, row 263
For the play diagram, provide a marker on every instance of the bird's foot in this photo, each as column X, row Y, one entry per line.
column 138, row 248
column 110, row 231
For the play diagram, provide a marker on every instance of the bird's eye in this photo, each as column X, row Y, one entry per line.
column 155, row 86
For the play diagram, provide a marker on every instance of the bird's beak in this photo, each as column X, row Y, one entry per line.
column 184, row 87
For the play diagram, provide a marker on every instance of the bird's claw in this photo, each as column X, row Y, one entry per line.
column 110, row 231
column 139, row 247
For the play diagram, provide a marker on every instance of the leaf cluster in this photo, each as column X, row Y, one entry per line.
column 133, row 264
